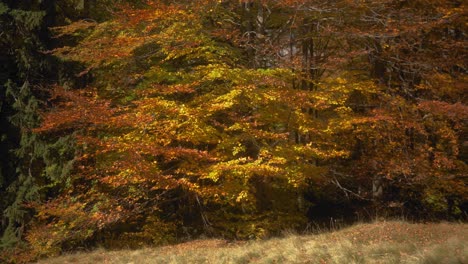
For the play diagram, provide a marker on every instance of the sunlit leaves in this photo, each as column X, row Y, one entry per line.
column 181, row 122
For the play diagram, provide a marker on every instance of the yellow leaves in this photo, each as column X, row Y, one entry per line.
column 213, row 175
column 216, row 73
column 323, row 152
column 242, row 168
column 242, row 197
column 173, row 28
column 343, row 111
column 277, row 161
column 225, row 101
column 185, row 39
column 238, row 149
column 341, row 81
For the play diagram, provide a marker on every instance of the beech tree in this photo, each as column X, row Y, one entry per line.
column 241, row 118
column 404, row 44
column 195, row 127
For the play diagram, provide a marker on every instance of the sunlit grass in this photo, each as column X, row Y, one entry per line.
column 381, row 242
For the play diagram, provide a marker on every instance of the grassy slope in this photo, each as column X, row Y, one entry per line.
column 382, row 242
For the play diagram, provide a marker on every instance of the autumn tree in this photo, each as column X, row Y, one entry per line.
column 193, row 139
column 242, row 118
column 32, row 168
column 402, row 154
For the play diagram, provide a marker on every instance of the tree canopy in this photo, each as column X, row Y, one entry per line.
column 151, row 122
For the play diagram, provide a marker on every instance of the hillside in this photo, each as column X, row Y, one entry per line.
column 381, row 242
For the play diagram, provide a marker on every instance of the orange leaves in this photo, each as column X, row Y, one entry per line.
column 101, row 51
column 457, row 112
column 175, row 89
column 154, row 14
column 71, row 220
column 196, row 119
column 74, row 110
column 112, row 41
column 73, row 28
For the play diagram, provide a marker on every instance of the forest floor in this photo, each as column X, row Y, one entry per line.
column 379, row 242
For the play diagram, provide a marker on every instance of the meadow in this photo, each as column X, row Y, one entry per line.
column 378, row 242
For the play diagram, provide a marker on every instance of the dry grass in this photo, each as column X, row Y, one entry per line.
column 382, row 242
